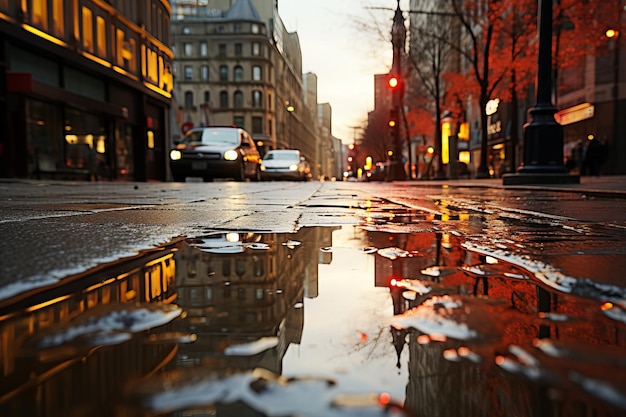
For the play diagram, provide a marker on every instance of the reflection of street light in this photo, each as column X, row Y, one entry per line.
column 290, row 109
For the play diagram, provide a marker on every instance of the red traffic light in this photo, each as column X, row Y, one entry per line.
column 393, row 82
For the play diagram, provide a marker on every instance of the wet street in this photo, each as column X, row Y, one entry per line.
column 310, row 299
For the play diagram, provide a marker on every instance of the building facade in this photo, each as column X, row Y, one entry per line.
column 85, row 89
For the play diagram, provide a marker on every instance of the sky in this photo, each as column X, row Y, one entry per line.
column 344, row 42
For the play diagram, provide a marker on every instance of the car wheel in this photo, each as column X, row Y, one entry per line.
column 242, row 173
column 257, row 174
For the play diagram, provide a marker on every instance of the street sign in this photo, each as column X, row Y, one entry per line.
column 186, row 127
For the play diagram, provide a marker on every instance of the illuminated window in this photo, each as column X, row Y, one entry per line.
column 119, row 47
column 255, row 28
column 40, row 13
column 58, row 19
column 101, row 37
column 150, row 139
column 87, row 29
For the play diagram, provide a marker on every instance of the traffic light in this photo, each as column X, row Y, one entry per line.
column 393, row 82
column 393, row 118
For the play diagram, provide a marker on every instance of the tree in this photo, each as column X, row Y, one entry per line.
column 491, row 56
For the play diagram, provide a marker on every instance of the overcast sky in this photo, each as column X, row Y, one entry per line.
column 344, row 42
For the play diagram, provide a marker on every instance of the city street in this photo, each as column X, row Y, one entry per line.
column 443, row 298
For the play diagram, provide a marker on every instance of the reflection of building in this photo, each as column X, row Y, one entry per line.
column 234, row 294
column 36, row 380
column 85, row 89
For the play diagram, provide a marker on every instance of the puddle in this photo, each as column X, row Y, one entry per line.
column 329, row 321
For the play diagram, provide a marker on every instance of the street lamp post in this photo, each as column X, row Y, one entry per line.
column 543, row 136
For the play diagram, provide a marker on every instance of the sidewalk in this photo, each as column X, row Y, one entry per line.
column 605, row 186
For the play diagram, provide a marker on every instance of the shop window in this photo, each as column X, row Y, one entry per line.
column 224, row 100
column 85, row 141
column 223, row 73
column 84, row 84
column 256, row 73
column 238, row 74
column 238, row 97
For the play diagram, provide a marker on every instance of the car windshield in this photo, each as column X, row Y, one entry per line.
column 281, row 156
column 207, row 136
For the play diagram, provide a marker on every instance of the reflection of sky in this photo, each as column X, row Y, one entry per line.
column 346, row 334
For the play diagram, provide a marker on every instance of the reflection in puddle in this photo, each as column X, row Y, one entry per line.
column 342, row 321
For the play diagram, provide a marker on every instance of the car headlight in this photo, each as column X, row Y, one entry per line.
column 231, row 155
column 262, row 167
column 175, row 155
column 293, row 167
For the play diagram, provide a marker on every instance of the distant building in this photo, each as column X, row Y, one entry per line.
column 85, row 89
column 237, row 65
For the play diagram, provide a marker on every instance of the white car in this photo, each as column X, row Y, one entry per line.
column 285, row 164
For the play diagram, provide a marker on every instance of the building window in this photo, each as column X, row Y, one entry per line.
column 187, row 49
column 257, row 125
column 256, row 73
column 204, row 49
column 254, row 28
column 101, row 36
column 188, row 72
column 238, row 49
column 87, row 29
column 40, row 13
column 238, row 99
column 257, row 99
column 223, row 73
column 58, row 19
column 224, row 100
column 238, row 74
column 256, row 49
column 207, row 97
column 237, row 27
column 239, row 121
column 186, row 31
column 222, row 49
column 204, row 73
column 188, row 99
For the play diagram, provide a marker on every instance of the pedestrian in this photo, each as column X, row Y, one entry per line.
column 594, row 156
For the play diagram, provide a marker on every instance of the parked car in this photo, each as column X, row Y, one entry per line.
column 215, row 152
column 288, row 164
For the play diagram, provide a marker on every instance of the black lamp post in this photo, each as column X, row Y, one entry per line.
column 543, row 136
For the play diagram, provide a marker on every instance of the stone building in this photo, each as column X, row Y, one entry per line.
column 236, row 64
